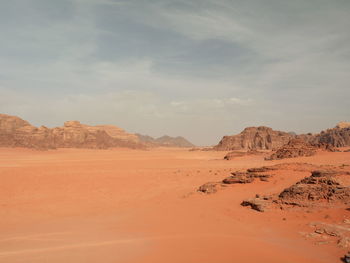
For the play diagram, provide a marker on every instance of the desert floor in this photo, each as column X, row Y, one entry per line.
column 119, row 205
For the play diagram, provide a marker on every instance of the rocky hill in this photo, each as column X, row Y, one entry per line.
column 296, row 147
column 265, row 138
column 254, row 138
column 165, row 141
column 336, row 137
column 15, row 132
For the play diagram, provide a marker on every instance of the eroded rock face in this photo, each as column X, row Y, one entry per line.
column 9, row 124
column 337, row 137
column 294, row 148
column 15, row 132
column 265, row 138
column 254, row 138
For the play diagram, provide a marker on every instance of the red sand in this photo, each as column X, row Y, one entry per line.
column 120, row 205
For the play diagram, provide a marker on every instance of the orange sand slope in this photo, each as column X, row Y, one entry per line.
column 121, row 205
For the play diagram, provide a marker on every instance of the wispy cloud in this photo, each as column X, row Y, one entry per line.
column 196, row 68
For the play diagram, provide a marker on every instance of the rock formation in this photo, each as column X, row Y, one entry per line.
column 165, row 141
column 325, row 188
column 246, row 177
column 15, row 132
column 254, row 138
column 337, row 137
column 325, row 185
column 294, row 148
column 257, row 203
column 239, row 177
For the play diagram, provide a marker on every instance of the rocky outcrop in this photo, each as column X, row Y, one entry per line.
column 294, row 148
column 15, row 132
column 325, row 185
column 337, row 137
column 254, row 138
column 265, row 138
column 165, row 141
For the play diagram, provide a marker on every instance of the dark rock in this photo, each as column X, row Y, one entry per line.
column 208, row 188
column 256, row 204
column 242, row 178
column 346, row 258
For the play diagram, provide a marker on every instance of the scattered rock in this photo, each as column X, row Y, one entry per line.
column 257, row 204
column 208, row 188
column 261, row 169
column 239, row 178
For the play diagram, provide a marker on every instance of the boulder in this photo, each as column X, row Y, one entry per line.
column 208, row 188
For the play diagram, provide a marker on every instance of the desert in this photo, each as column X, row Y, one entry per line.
column 174, row 131
column 172, row 204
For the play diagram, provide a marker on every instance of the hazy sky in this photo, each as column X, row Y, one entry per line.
column 197, row 68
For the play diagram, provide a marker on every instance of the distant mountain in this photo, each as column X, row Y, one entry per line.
column 15, row 132
column 165, row 141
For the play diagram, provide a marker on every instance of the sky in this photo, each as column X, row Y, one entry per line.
column 196, row 68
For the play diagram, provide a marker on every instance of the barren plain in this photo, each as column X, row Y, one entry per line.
column 124, row 205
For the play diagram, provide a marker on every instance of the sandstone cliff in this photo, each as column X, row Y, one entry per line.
column 337, row 137
column 265, row 138
column 15, row 132
column 254, row 138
